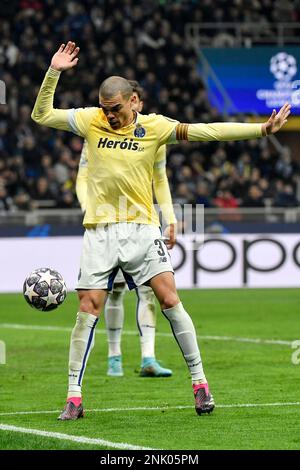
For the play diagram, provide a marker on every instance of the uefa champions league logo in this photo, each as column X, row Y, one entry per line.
column 283, row 66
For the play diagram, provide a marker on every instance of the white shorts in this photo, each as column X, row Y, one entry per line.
column 136, row 249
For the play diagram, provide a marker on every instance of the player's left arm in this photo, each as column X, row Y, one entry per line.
column 163, row 196
column 228, row 131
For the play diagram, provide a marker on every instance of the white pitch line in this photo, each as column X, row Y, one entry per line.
column 69, row 437
column 156, row 408
column 15, row 326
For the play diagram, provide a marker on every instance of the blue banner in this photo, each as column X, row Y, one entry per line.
column 256, row 80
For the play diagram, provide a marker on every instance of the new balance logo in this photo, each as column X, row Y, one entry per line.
column 163, row 259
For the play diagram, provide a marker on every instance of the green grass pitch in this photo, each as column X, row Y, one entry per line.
column 157, row 413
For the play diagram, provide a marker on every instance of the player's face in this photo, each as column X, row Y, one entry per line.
column 118, row 110
column 137, row 102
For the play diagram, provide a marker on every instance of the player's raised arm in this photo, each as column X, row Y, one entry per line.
column 76, row 121
column 225, row 131
column 43, row 111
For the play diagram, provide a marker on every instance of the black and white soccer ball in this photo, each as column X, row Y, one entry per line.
column 44, row 289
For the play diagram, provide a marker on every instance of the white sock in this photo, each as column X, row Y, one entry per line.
column 184, row 332
column 82, row 342
column 114, row 319
column 146, row 320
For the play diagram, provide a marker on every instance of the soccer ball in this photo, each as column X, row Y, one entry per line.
column 283, row 66
column 44, row 289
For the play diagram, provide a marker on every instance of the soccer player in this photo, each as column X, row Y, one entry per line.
column 145, row 309
column 122, row 229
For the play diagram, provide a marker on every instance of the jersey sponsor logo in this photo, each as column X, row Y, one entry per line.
column 118, row 144
column 139, row 131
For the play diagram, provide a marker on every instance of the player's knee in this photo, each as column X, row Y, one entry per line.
column 86, row 305
column 169, row 300
column 89, row 304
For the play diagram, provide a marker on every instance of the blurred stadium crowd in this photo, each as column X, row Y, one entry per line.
column 144, row 41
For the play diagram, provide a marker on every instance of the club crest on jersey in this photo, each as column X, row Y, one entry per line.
column 139, row 131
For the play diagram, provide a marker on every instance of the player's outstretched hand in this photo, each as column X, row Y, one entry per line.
column 66, row 57
column 276, row 120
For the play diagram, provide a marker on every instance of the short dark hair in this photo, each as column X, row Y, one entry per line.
column 136, row 88
column 114, row 85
